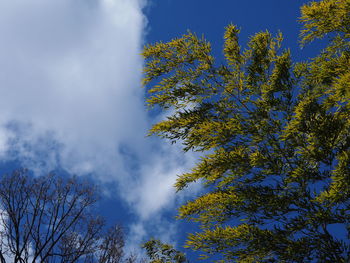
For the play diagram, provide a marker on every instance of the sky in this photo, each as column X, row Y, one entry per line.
column 71, row 97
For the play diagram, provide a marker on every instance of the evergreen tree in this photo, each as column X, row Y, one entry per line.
column 159, row 252
column 275, row 137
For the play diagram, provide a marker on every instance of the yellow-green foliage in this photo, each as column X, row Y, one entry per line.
column 275, row 138
column 159, row 252
column 324, row 17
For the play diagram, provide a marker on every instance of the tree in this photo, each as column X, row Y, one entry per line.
column 275, row 137
column 159, row 252
column 50, row 219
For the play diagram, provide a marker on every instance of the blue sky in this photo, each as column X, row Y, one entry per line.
column 71, row 98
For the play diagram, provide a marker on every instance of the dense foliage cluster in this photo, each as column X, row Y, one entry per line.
column 275, row 137
column 159, row 252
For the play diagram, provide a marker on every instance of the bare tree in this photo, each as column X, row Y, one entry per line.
column 50, row 219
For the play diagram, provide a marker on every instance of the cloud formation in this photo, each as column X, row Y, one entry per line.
column 70, row 72
column 70, row 76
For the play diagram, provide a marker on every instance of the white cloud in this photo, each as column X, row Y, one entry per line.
column 161, row 229
column 70, row 70
column 155, row 190
column 70, row 74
